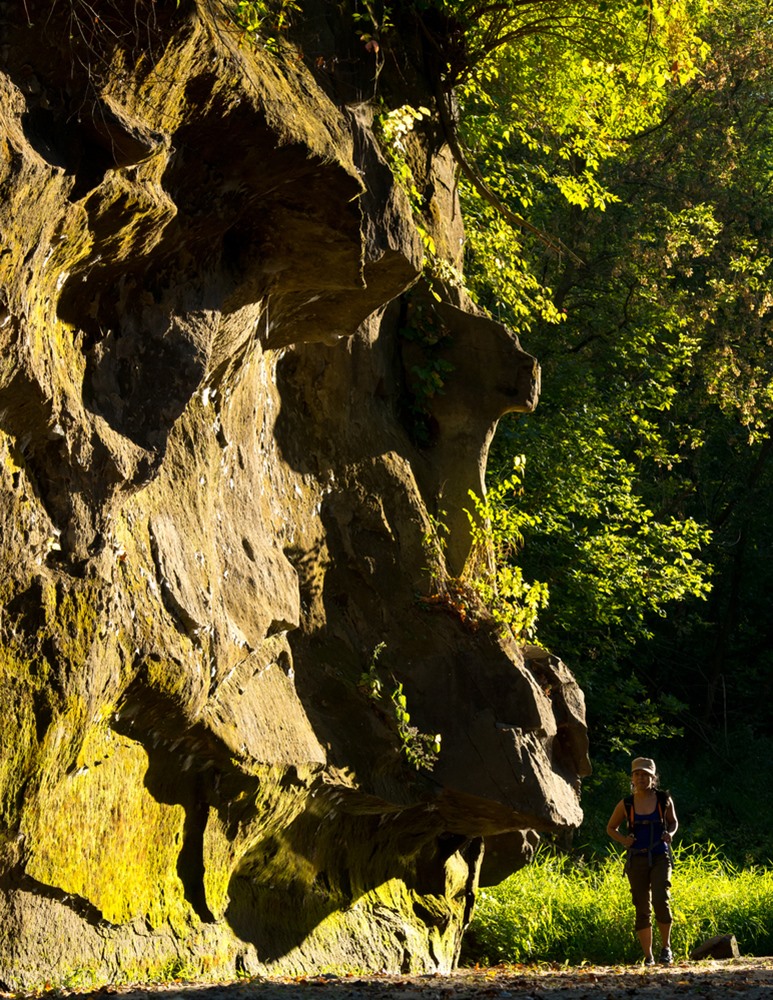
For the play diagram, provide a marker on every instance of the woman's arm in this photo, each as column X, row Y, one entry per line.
column 670, row 822
column 615, row 820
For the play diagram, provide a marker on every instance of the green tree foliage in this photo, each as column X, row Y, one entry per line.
column 546, row 118
column 547, row 110
column 649, row 460
column 496, row 523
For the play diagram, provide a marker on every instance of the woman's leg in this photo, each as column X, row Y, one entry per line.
column 661, row 901
column 639, row 880
column 645, row 940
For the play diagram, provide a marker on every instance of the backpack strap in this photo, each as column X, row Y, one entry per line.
column 629, row 811
column 662, row 803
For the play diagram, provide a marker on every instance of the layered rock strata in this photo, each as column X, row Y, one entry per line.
column 220, row 587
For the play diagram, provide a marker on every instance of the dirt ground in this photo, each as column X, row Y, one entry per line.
column 744, row 978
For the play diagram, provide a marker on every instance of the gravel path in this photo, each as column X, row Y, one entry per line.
column 735, row 979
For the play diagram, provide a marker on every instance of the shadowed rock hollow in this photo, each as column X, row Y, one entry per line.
column 219, row 479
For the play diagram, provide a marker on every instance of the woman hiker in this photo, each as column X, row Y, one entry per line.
column 651, row 825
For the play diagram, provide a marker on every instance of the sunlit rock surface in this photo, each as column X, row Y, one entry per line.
column 218, row 481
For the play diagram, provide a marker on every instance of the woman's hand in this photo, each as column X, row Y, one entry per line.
column 666, row 838
column 629, row 841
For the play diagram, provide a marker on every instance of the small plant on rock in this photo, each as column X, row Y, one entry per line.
column 420, row 749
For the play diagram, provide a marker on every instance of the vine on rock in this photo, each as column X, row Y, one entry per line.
column 421, row 750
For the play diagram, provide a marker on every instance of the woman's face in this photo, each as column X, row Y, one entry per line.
column 642, row 780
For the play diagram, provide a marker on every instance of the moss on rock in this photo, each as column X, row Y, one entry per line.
column 99, row 835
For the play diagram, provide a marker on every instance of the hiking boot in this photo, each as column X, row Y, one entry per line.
column 649, row 960
column 666, row 957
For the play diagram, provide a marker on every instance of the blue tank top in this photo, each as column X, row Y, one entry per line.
column 648, row 831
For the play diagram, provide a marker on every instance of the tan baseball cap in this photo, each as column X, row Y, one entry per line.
column 643, row 764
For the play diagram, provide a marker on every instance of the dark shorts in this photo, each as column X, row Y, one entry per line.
column 650, row 888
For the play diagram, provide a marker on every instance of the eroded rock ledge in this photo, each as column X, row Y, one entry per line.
column 215, row 506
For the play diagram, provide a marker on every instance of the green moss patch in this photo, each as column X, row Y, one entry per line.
column 100, row 835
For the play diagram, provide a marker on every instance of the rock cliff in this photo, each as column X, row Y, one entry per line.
column 227, row 638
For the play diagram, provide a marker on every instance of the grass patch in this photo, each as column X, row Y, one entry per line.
column 565, row 910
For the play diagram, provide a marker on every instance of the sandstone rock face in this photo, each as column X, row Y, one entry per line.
column 218, row 481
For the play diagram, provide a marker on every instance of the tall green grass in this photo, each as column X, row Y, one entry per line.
column 559, row 909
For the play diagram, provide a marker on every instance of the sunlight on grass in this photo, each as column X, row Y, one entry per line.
column 559, row 909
